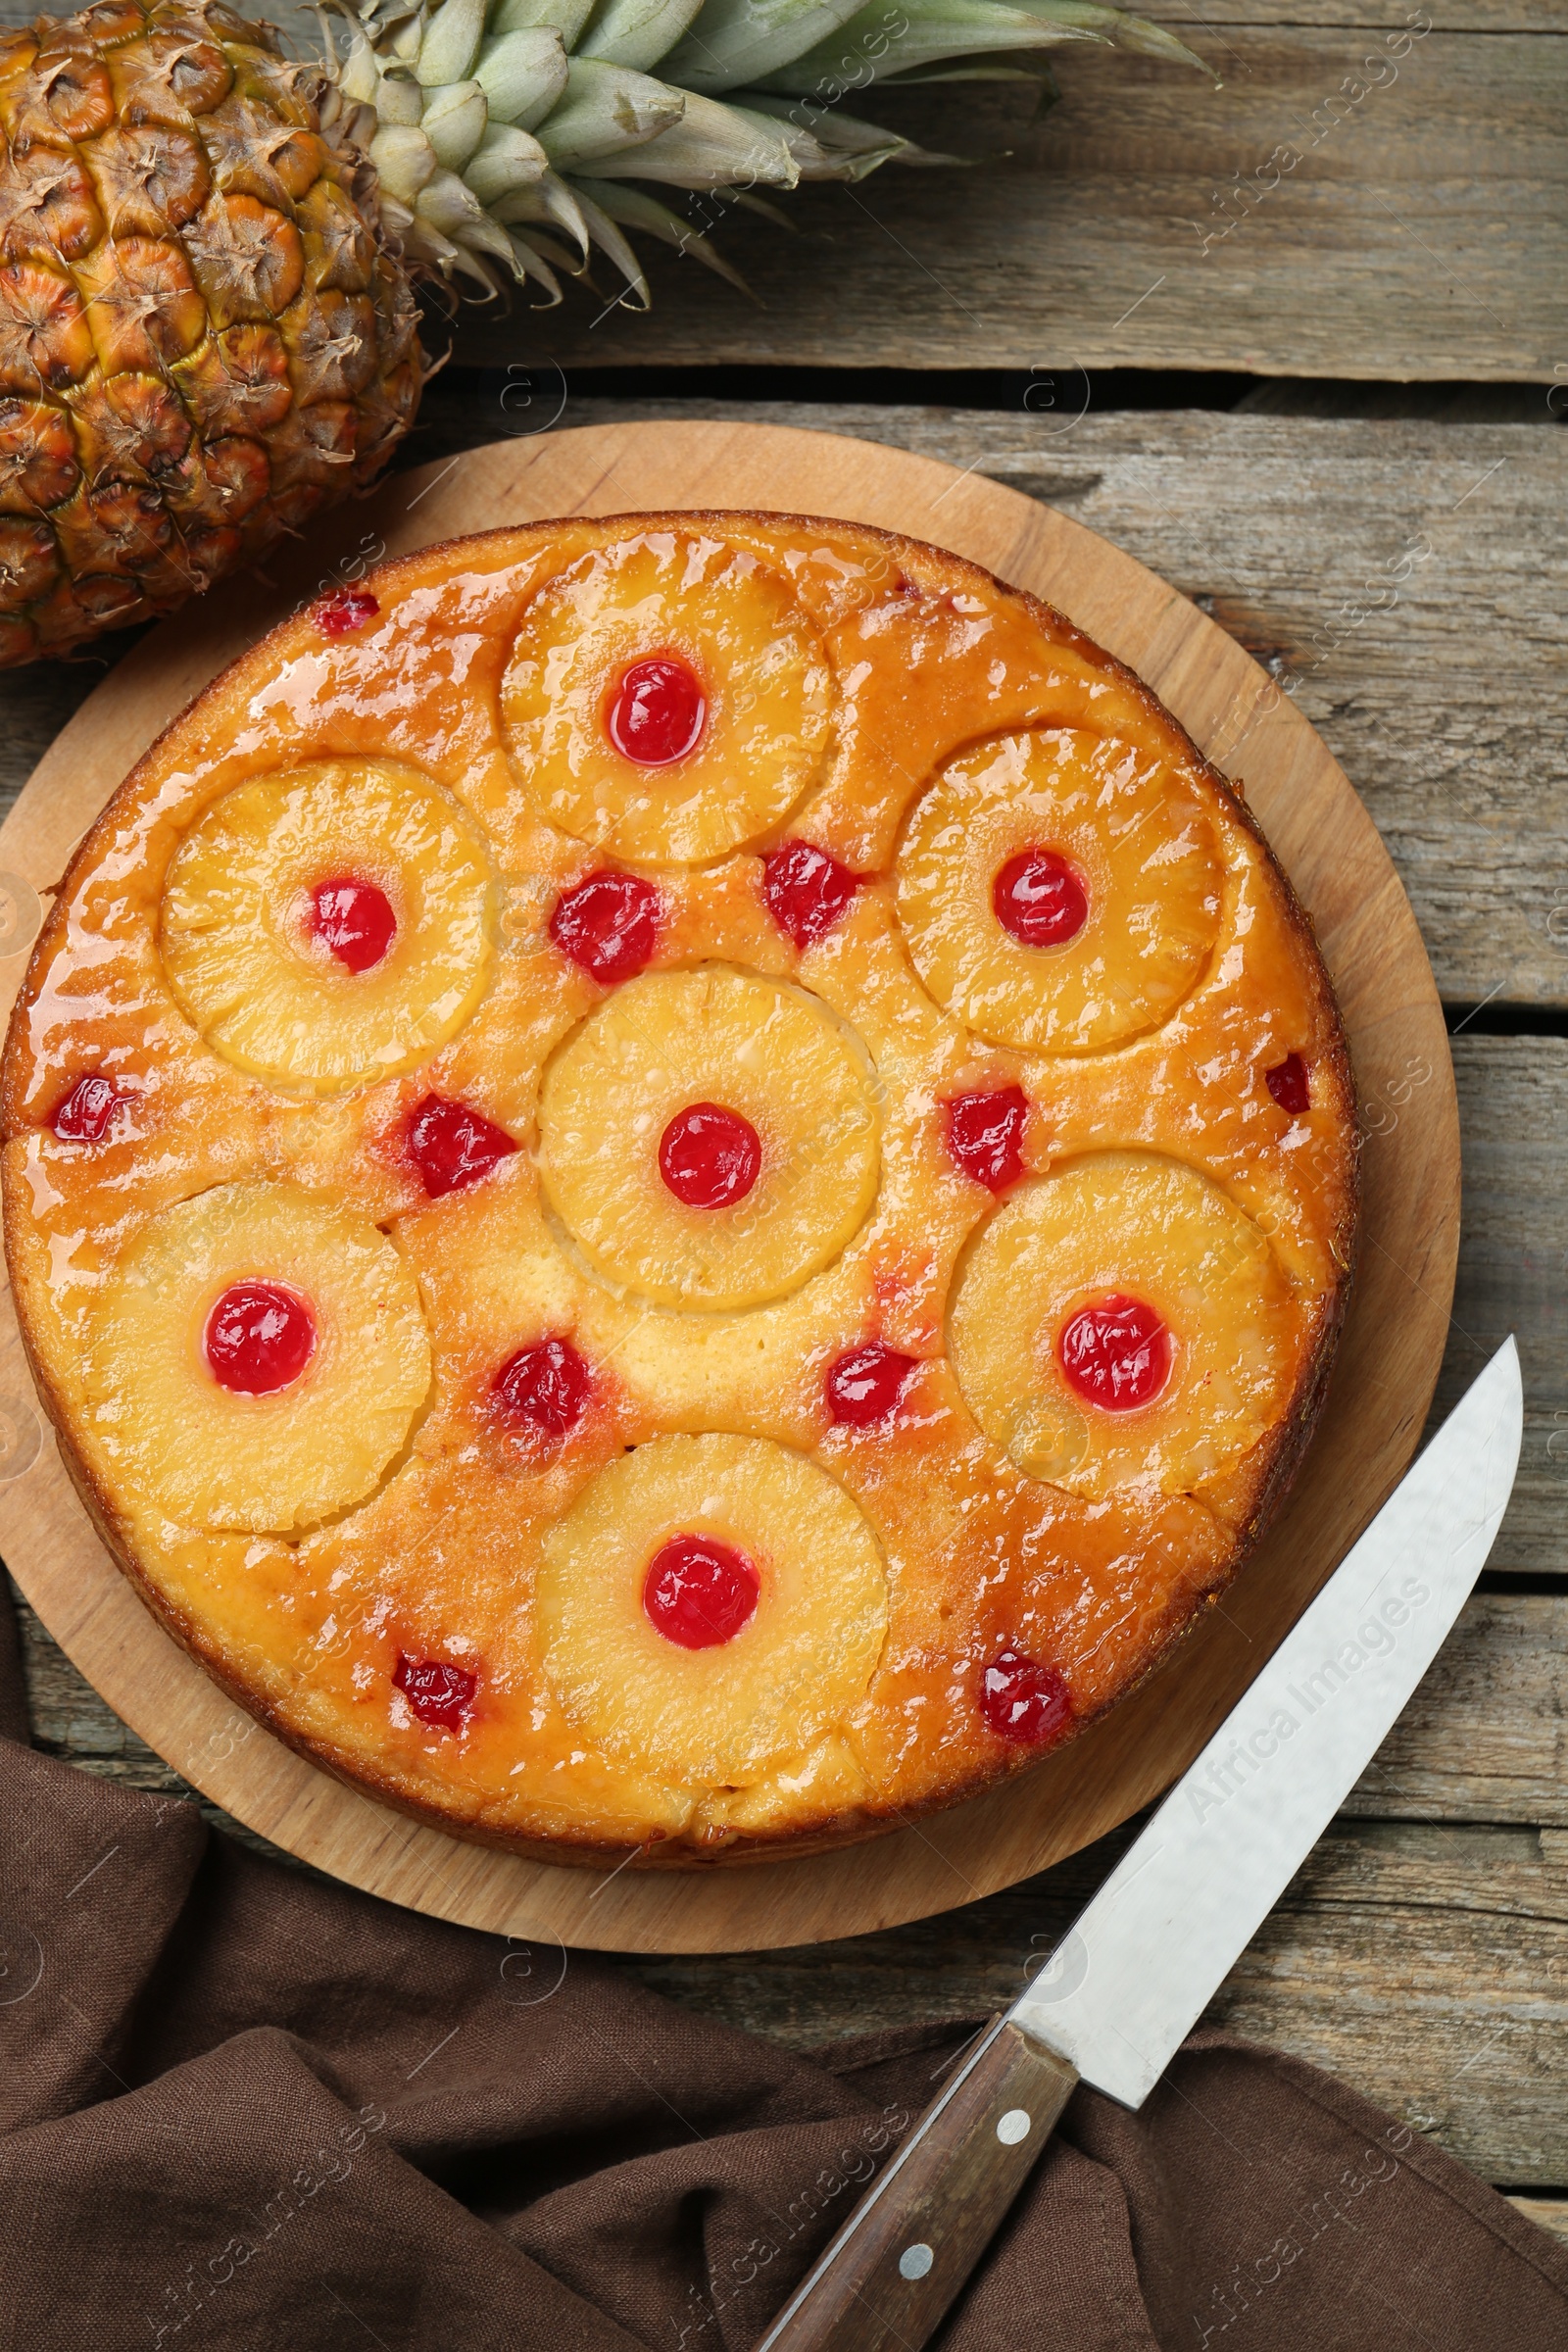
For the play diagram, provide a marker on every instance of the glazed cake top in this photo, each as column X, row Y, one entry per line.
column 749, row 992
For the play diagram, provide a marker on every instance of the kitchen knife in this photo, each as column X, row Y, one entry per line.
column 1122, row 1989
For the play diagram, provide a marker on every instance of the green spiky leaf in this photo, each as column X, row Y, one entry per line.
column 498, row 126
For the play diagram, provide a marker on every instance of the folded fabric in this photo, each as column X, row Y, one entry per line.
column 241, row 2107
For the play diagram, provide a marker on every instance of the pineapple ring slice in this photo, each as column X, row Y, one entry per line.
column 1142, row 844
column 758, row 1047
column 1125, row 1224
column 758, row 663
column 243, row 960
column 727, row 1714
column 208, row 1457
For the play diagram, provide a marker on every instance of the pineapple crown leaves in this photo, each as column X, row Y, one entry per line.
column 513, row 137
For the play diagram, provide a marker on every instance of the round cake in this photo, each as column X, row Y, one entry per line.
column 680, row 1185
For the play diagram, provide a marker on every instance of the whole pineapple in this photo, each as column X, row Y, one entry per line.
column 206, row 331
column 208, row 327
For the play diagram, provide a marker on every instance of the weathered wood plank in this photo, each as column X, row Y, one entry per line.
column 1190, row 18
column 1379, row 251
column 1486, row 1736
column 1547, row 2213
column 1422, row 1962
column 1514, row 1270
column 1393, row 578
column 1443, row 702
column 1425, row 1966
column 1447, row 1944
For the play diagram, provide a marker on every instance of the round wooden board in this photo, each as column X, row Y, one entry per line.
column 1388, row 1361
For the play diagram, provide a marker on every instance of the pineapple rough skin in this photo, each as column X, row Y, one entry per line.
column 206, row 332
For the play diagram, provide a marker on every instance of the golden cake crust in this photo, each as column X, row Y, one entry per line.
column 937, row 678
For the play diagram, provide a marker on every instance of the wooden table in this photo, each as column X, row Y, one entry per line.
column 1423, row 1952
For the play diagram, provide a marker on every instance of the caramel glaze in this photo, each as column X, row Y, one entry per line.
column 930, row 654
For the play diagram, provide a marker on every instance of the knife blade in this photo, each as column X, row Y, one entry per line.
column 1133, row 1974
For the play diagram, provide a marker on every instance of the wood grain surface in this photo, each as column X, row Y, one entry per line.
column 1472, row 1918
column 1388, row 1357
column 1442, row 703
column 1423, row 1963
column 1417, row 234
column 1406, row 582
column 1151, row 219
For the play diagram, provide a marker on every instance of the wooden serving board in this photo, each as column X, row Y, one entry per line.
column 1388, row 1361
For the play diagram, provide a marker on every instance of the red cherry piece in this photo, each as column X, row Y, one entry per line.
column 608, row 925
column 1040, row 899
column 1024, row 1701
column 699, row 1591
column 82, row 1116
column 354, row 919
column 259, row 1338
column 1287, row 1083
column 440, row 1694
column 804, row 889
column 866, row 1385
column 657, row 713
column 1116, row 1354
column 985, row 1135
column 708, row 1156
column 350, row 609
column 452, row 1145
column 547, row 1384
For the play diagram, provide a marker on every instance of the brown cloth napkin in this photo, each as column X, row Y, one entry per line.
column 241, row 2108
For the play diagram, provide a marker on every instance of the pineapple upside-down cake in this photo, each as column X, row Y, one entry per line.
column 680, row 1185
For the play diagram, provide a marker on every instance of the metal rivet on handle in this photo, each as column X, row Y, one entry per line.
column 1013, row 2127
column 914, row 2262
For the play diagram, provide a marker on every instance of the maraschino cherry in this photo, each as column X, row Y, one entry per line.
column 547, row 1386
column 440, row 1694
column 84, row 1114
column 259, row 1338
column 708, row 1156
column 1116, row 1354
column 1287, row 1082
column 699, row 1592
column 1024, row 1699
column 657, row 712
column 805, row 891
column 349, row 609
column 354, row 919
column 863, row 1386
column 1040, row 899
column 985, row 1135
column 608, row 923
column 452, row 1145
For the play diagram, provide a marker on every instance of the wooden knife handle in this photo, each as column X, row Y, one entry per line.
column 910, row 2243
